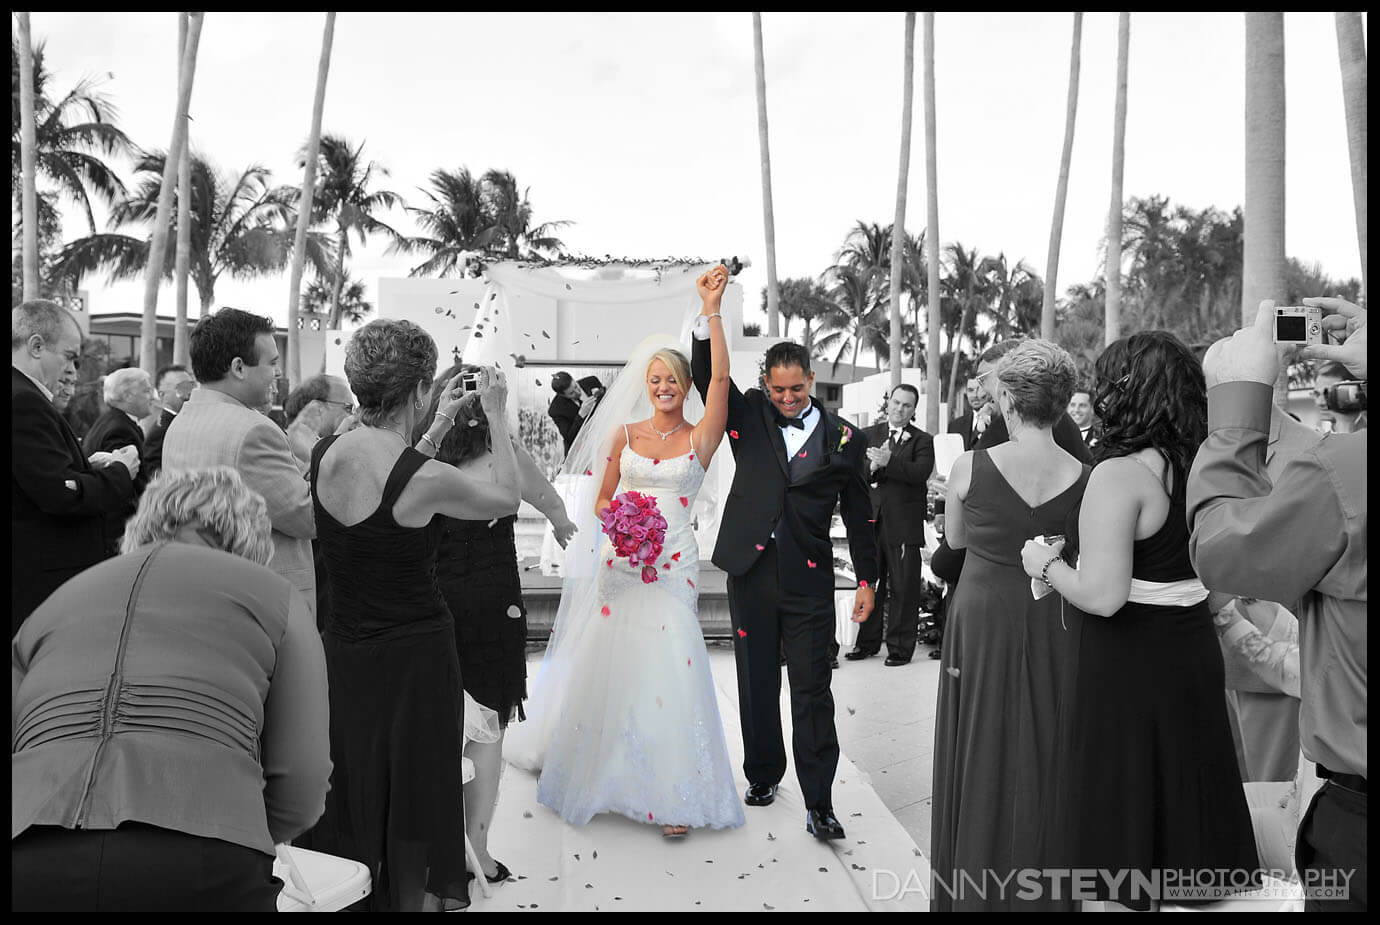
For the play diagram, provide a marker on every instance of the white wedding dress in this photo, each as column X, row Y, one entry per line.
column 633, row 726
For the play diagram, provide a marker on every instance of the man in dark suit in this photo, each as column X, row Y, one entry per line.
column 963, row 425
column 1081, row 410
column 900, row 460
column 175, row 385
column 58, row 498
column 795, row 462
column 128, row 398
column 570, row 408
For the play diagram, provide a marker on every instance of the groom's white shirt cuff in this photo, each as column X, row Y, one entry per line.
column 701, row 328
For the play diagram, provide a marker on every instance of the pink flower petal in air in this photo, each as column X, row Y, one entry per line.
column 862, row 584
column 760, row 547
column 605, row 611
column 687, row 661
column 649, row 817
column 587, row 472
column 742, row 634
column 811, row 563
column 675, row 557
column 610, row 563
column 691, row 583
column 733, row 434
column 684, row 502
column 692, row 455
column 803, row 454
column 656, row 462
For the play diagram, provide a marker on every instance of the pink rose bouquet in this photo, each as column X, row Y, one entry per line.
column 633, row 523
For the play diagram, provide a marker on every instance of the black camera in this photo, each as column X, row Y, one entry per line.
column 1347, row 397
column 733, row 264
column 469, row 382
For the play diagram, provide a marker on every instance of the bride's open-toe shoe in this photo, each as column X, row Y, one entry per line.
column 674, row 831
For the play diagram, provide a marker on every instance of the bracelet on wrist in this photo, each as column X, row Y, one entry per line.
column 434, row 445
column 442, row 414
column 719, row 315
column 1044, row 572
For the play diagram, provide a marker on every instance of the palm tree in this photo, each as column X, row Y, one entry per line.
column 304, row 202
column 899, row 240
column 805, row 299
column 856, row 314
column 182, row 266
column 1010, row 289
column 240, row 227
column 768, row 218
column 1264, row 255
column 71, row 135
column 511, row 215
column 344, row 196
column 456, row 225
column 969, row 291
column 1056, row 230
column 1351, row 49
column 1112, row 268
column 158, row 245
column 29, row 195
column 1152, row 239
column 322, row 294
column 932, row 233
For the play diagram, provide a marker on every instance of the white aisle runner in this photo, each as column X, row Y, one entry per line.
column 771, row 863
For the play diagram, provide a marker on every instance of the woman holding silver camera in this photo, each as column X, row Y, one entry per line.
column 396, row 697
column 1151, row 743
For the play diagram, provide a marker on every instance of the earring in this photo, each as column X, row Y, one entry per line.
column 419, row 404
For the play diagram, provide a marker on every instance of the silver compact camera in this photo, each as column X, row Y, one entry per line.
column 470, row 382
column 1299, row 325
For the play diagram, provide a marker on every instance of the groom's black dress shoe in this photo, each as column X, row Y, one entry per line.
column 857, row 654
column 760, row 794
column 892, row 661
column 822, row 825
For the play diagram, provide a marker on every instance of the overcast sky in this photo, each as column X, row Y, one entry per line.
column 642, row 127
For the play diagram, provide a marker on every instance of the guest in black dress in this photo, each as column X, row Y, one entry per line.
column 1008, row 659
column 1153, row 783
column 478, row 572
column 396, row 698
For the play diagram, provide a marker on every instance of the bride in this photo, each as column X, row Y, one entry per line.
column 624, row 717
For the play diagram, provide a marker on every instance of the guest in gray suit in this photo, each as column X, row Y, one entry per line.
column 235, row 360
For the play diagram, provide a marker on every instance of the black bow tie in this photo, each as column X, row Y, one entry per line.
column 783, row 421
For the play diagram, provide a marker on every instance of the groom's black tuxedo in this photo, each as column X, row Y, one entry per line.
column 781, row 587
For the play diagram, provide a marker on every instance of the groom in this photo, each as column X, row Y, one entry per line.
column 794, row 463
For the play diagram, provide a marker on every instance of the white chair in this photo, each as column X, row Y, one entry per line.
column 316, row 882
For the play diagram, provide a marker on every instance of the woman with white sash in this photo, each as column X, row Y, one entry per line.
column 1152, row 792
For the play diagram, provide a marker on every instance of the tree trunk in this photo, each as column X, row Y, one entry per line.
column 954, row 360
column 768, row 218
column 931, row 238
column 28, row 160
column 342, row 239
column 158, row 247
column 898, row 230
column 299, row 246
column 181, row 353
column 1056, row 230
column 1351, row 49
column 1263, row 261
column 1112, row 272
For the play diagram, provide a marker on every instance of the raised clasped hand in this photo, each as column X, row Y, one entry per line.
column 711, row 285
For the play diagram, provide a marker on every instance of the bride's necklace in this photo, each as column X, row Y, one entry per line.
column 666, row 434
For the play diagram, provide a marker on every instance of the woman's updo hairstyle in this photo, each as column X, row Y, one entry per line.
column 384, row 363
column 1040, row 377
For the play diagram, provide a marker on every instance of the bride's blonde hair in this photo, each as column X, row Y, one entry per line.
column 677, row 363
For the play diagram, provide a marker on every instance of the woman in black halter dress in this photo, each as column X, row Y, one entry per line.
column 1152, row 789
column 477, row 570
column 396, row 700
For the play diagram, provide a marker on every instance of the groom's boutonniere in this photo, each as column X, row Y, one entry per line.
column 845, row 434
